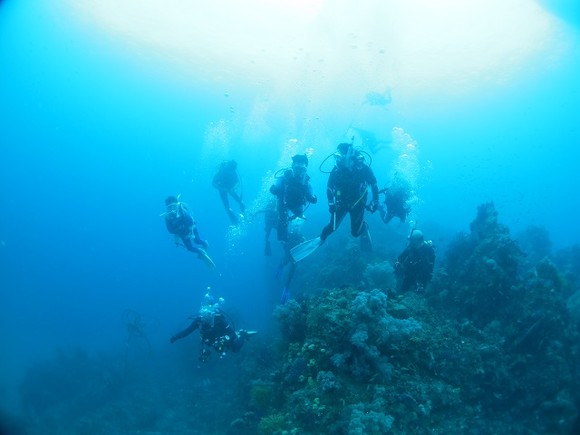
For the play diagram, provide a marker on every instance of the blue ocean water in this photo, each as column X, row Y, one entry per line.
column 99, row 124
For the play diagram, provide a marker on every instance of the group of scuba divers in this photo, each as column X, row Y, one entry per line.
column 349, row 183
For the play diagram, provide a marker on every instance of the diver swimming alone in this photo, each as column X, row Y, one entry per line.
column 228, row 182
column 181, row 224
column 216, row 329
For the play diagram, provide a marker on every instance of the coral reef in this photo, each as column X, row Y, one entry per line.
column 480, row 274
column 535, row 242
column 379, row 275
column 492, row 346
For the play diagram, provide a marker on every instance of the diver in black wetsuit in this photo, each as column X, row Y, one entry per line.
column 395, row 205
column 270, row 223
column 181, row 224
column 294, row 191
column 414, row 266
column 227, row 181
column 216, row 330
column 347, row 192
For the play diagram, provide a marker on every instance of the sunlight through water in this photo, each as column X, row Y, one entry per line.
column 413, row 45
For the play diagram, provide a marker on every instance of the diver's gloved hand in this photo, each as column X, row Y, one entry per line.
column 331, row 208
column 314, row 199
column 246, row 334
column 374, row 206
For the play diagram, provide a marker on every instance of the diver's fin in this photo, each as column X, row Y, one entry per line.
column 303, row 250
column 206, row 259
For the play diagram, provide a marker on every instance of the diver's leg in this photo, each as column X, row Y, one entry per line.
column 357, row 223
column 237, row 198
column 366, row 243
column 198, row 239
column 188, row 243
column 201, row 254
column 358, row 227
column 335, row 220
column 224, row 198
column 234, row 218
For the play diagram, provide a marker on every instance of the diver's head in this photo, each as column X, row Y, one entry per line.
column 207, row 312
column 171, row 200
column 299, row 164
column 209, row 308
column 344, row 155
column 301, row 159
column 416, row 238
column 208, row 299
column 173, row 206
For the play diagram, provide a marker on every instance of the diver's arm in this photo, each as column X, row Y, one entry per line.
column 197, row 239
column 310, row 196
column 403, row 258
column 278, row 187
column 182, row 334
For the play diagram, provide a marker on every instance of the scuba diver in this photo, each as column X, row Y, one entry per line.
column 347, row 192
column 414, row 266
column 226, row 181
column 293, row 191
column 270, row 223
column 216, row 330
column 396, row 203
column 180, row 223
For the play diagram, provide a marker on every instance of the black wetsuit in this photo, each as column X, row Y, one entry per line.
column 347, row 192
column 225, row 181
column 395, row 205
column 414, row 267
column 293, row 194
column 270, row 222
column 220, row 334
column 180, row 223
